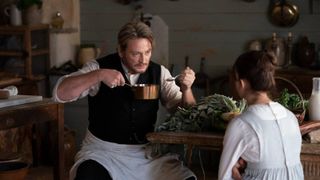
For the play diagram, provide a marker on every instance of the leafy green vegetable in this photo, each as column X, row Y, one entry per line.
column 291, row 101
column 204, row 116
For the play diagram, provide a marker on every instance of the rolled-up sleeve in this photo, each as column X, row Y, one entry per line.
column 88, row 67
column 170, row 92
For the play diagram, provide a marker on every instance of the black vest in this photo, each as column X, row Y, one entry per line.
column 114, row 114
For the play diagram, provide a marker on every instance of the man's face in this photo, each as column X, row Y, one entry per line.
column 137, row 55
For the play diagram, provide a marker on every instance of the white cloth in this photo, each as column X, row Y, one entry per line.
column 130, row 162
column 242, row 140
column 170, row 92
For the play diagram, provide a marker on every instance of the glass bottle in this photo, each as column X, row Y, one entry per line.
column 314, row 101
column 276, row 44
column 288, row 61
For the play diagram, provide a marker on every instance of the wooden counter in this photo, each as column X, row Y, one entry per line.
column 39, row 112
column 310, row 153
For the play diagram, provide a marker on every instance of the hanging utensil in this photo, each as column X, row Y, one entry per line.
column 202, row 79
column 311, row 6
column 186, row 61
column 284, row 14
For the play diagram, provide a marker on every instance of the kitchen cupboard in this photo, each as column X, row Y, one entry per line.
column 32, row 44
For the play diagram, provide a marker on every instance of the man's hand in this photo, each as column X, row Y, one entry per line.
column 238, row 169
column 186, row 79
column 111, row 77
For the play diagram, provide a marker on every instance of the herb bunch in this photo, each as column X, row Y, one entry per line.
column 291, row 101
column 204, row 116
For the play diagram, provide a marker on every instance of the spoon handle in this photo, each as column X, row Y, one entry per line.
column 173, row 78
column 128, row 84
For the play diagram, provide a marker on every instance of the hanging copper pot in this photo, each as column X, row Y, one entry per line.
column 284, row 14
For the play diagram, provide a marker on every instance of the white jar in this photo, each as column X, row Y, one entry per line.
column 15, row 15
column 314, row 101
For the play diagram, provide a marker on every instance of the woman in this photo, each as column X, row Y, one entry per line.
column 266, row 135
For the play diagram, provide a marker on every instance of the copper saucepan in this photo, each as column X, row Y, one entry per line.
column 145, row 91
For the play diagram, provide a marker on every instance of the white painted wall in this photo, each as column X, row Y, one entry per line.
column 64, row 43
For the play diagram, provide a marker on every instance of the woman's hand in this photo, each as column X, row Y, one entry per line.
column 238, row 169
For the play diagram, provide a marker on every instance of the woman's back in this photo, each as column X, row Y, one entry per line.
column 279, row 142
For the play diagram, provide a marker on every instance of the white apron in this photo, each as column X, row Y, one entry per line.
column 129, row 162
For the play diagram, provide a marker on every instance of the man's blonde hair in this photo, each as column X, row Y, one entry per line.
column 134, row 30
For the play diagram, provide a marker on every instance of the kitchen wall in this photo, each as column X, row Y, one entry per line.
column 63, row 42
column 219, row 30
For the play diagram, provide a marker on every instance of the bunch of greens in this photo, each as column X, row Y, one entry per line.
column 291, row 101
column 204, row 116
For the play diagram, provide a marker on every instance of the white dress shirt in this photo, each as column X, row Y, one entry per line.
column 170, row 92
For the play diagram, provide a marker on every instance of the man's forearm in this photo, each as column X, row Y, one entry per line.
column 72, row 87
column 187, row 98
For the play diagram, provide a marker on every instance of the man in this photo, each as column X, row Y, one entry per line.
column 115, row 144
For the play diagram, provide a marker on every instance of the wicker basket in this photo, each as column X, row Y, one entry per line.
column 300, row 113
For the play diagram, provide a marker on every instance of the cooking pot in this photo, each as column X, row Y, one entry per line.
column 145, row 91
column 284, row 14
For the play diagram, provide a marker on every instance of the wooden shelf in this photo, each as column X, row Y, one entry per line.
column 38, row 52
column 16, row 53
column 11, row 53
column 27, row 52
column 18, row 29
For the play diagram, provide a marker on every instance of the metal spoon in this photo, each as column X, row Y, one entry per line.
column 173, row 78
column 135, row 85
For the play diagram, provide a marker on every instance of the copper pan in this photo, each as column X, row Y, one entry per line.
column 145, row 91
column 284, row 14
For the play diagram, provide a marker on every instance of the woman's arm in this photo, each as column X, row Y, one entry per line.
column 234, row 145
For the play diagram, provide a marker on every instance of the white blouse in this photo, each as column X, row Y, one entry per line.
column 246, row 143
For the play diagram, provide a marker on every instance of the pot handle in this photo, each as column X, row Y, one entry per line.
column 7, row 11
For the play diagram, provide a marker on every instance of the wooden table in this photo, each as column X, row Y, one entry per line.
column 310, row 153
column 208, row 140
column 39, row 112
